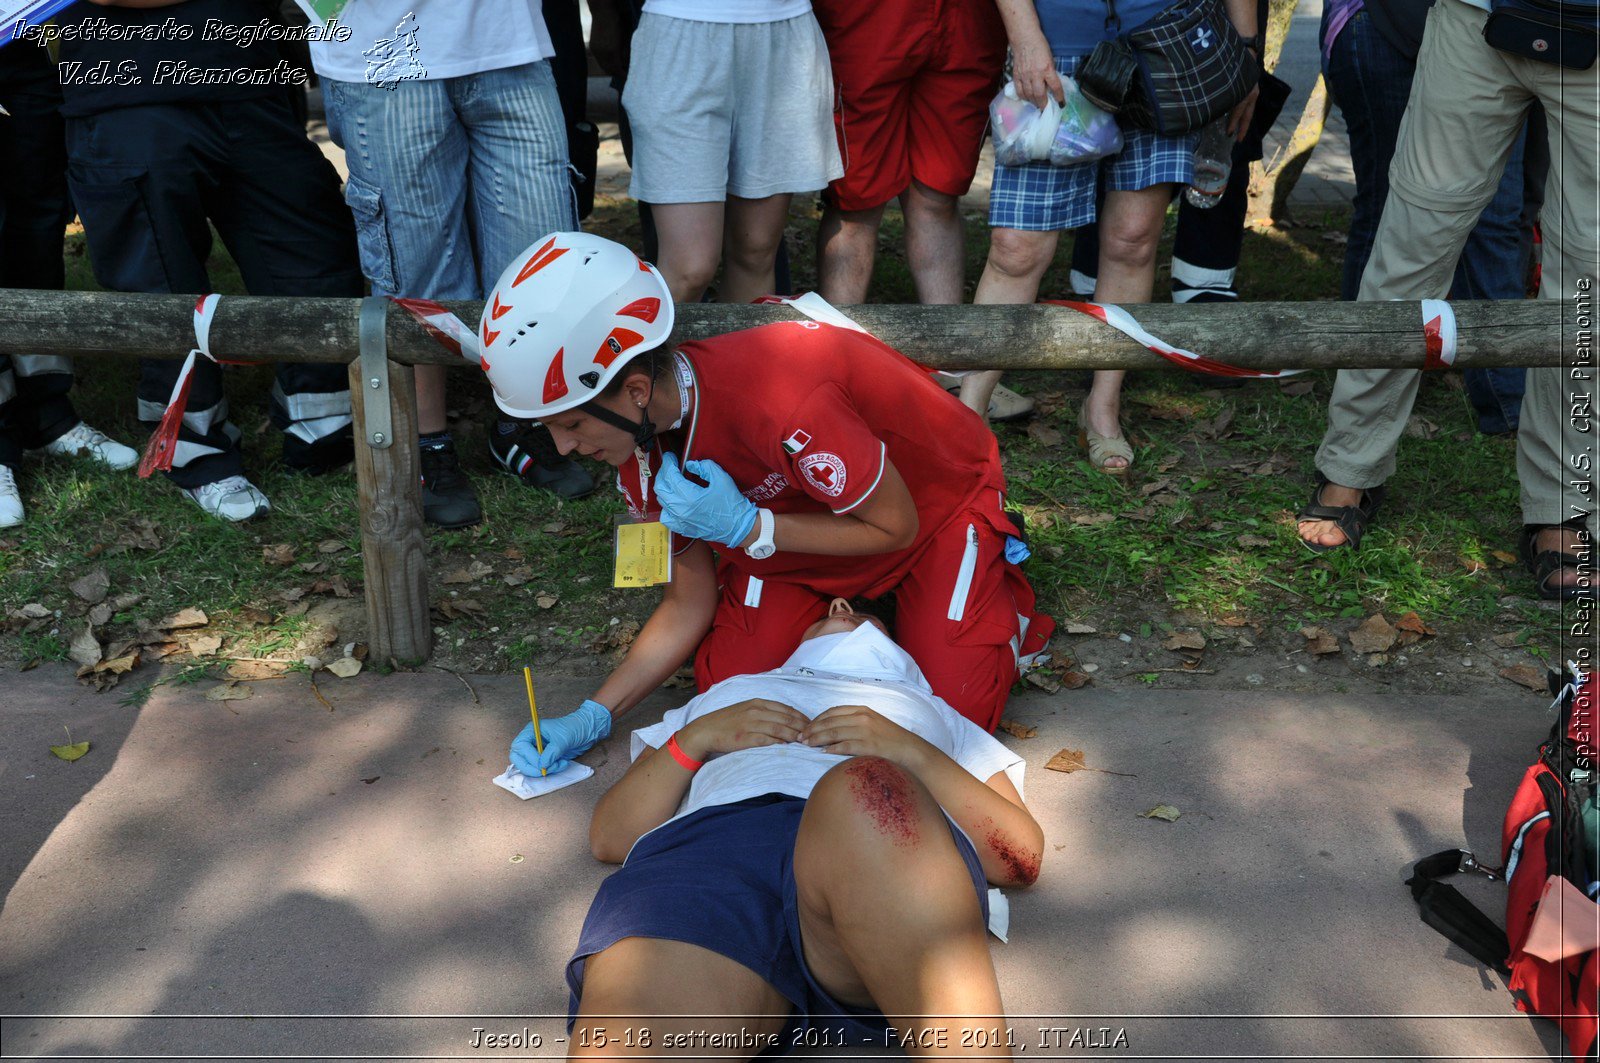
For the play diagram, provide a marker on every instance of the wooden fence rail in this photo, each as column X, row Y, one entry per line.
column 1322, row 335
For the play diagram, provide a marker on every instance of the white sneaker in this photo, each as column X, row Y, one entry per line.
column 10, row 499
column 95, row 444
column 234, row 498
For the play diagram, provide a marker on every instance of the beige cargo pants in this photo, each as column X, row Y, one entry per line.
column 1466, row 106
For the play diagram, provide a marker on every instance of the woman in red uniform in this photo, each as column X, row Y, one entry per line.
column 828, row 465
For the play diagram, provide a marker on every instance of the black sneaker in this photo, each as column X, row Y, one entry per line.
column 526, row 450
column 448, row 500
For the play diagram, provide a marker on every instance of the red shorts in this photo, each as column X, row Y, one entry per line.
column 915, row 78
column 960, row 612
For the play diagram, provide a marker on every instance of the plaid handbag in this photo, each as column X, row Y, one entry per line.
column 1175, row 74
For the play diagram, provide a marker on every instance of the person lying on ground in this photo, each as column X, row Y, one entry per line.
column 813, row 841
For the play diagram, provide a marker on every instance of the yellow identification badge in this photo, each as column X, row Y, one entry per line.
column 643, row 554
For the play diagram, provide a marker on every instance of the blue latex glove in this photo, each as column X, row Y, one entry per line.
column 564, row 737
column 718, row 513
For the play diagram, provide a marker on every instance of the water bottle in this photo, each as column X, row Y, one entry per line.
column 1213, row 162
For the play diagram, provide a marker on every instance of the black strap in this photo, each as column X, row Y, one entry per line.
column 1449, row 912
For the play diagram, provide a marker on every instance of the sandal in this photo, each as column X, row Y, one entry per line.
column 1102, row 448
column 1351, row 520
column 1546, row 563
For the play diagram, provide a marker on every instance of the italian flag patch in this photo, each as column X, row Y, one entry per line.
column 797, row 442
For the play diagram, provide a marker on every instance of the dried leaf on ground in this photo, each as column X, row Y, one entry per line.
column 1080, row 629
column 85, row 648
column 345, row 667
column 292, row 595
column 204, row 645
column 1017, row 730
column 512, row 553
column 1375, row 635
column 1509, row 639
column 1218, row 427
column 278, row 554
column 190, row 617
column 71, row 752
column 1322, row 645
column 101, row 614
column 517, row 576
column 257, row 669
column 1295, row 388
column 1093, row 519
column 1526, row 675
column 93, row 587
column 555, row 527
column 467, row 573
column 324, row 635
column 33, row 611
column 1253, row 541
column 1185, row 640
column 545, row 600
column 1419, row 427
column 1504, row 558
column 1168, row 813
column 341, row 588
column 229, row 692
column 1074, row 680
column 1472, row 564
column 119, row 665
column 1042, row 679
column 329, row 546
column 313, row 568
column 1413, row 622
column 456, row 608
column 29, row 665
column 1043, row 433
column 1068, row 761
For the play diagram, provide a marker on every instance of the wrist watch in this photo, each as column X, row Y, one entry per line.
column 763, row 547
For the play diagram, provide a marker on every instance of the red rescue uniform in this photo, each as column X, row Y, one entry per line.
column 803, row 417
column 915, row 78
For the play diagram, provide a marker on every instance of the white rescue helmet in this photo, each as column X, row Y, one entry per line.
column 565, row 318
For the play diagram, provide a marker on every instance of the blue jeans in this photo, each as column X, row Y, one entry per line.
column 450, row 180
column 1371, row 81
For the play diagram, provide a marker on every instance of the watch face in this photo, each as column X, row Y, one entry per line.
column 761, row 553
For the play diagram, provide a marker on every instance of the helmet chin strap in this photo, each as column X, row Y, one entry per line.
column 643, row 431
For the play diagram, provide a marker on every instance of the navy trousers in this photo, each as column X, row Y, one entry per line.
column 150, row 184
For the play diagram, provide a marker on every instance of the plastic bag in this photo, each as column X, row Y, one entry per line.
column 1064, row 135
column 1086, row 132
column 1022, row 132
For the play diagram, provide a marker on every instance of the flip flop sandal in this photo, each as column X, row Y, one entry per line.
column 1352, row 520
column 1546, row 563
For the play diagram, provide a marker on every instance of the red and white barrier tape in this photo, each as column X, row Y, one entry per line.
column 451, row 332
column 1439, row 332
column 164, row 441
column 1123, row 322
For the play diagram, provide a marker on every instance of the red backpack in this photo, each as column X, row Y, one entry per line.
column 1543, row 837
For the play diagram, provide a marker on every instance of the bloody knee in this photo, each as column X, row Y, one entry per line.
column 875, row 801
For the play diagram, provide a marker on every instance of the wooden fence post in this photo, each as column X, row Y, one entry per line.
column 388, row 480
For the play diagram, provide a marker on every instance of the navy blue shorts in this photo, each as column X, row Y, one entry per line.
column 723, row 878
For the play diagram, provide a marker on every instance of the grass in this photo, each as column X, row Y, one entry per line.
column 1202, row 533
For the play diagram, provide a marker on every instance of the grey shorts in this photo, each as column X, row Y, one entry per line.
column 720, row 109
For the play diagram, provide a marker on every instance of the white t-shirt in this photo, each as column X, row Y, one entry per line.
column 794, row 768
column 406, row 40
column 729, row 10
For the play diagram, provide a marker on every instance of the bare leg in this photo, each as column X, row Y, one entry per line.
column 651, row 977
column 1016, row 265
column 430, row 399
column 1130, row 229
column 754, row 229
column 935, row 250
column 690, row 235
column 888, row 916
column 847, row 246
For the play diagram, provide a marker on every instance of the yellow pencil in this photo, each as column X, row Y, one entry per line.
column 533, row 708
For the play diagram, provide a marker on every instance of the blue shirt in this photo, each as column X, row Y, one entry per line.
column 1074, row 27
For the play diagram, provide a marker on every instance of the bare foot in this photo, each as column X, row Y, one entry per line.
column 1326, row 532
